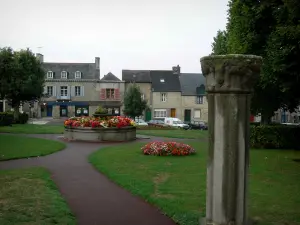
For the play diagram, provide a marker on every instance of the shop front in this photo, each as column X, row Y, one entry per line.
column 81, row 110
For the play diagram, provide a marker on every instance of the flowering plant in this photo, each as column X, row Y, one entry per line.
column 94, row 122
column 161, row 148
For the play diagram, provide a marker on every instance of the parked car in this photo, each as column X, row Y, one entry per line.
column 157, row 122
column 140, row 122
column 198, row 125
column 175, row 122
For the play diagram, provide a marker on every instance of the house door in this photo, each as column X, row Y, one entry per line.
column 187, row 115
column 173, row 113
column 63, row 111
column 49, row 111
column 148, row 115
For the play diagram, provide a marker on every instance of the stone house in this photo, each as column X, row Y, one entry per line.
column 193, row 98
column 143, row 80
column 111, row 90
column 71, row 89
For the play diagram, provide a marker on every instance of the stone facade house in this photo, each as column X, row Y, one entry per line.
column 193, row 99
column 71, row 89
column 143, row 80
column 111, row 90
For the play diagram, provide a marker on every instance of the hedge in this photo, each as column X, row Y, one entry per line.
column 275, row 137
column 6, row 118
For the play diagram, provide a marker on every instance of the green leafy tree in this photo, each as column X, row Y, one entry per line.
column 24, row 80
column 269, row 29
column 219, row 45
column 7, row 65
column 134, row 105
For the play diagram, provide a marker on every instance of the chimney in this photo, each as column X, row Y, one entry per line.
column 176, row 69
column 97, row 62
column 40, row 57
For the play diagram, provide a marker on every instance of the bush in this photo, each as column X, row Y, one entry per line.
column 275, row 137
column 6, row 118
column 23, row 118
column 160, row 148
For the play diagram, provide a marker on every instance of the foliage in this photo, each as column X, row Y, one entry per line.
column 275, row 137
column 21, row 76
column 161, row 148
column 134, row 105
column 101, row 110
column 23, row 118
column 219, row 46
column 269, row 29
column 16, row 147
column 96, row 122
column 29, row 196
column 6, row 118
column 177, row 185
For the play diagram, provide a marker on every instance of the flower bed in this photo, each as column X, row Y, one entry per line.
column 97, row 122
column 111, row 129
column 160, row 148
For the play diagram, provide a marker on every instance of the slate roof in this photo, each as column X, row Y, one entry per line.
column 189, row 83
column 138, row 76
column 110, row 77
column 88, row 70
column 171, row 81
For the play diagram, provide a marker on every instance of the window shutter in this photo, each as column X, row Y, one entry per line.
column 82, row 90
column 102, row 94
column 117, row 93
column 54, row 91
column 68, row 94
column 72, row 90
column 45, row 89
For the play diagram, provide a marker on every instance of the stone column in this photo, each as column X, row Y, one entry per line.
column 229, row 83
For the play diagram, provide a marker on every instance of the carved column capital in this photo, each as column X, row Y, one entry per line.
column 231, row 73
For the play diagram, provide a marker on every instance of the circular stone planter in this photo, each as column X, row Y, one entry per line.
column 111, row 134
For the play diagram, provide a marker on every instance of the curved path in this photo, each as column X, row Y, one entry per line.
column 93, row 198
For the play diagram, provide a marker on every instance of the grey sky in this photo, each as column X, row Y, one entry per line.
column 132, row 34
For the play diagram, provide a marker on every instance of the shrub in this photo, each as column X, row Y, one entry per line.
column 6, row 118
column 275, row 137
column 160, row 148
column 23, row 118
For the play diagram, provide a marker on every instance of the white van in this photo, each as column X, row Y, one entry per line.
column 175, row 122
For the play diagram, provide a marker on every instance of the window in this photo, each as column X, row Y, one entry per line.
column 199, row 100
column 197, row 113
column 63, row 91
column 77, row 75
column 142, row 96
column 77, row 91
column 64, row 75
column 49, row 75
column 160, row 113
column 162, row 80
column 163, row 97
column 50, row 90
column 110, row 93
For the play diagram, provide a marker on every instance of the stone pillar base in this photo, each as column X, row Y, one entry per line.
column 203, row 221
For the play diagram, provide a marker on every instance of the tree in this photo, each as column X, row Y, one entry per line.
column 219, row 46
column 134, row 105
column 24, row 80
column 6, row 70
column 268, row 28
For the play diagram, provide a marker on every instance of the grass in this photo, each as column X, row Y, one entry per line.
column 177, row 185
column 32, row 129
column 189, row 134
column 14, row 147
column 29, row 196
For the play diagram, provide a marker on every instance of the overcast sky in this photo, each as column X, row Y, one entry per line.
column 131, row 34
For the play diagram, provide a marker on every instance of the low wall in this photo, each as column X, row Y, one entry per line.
column 111, row 134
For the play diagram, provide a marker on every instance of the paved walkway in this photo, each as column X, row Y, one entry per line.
column 93, row 198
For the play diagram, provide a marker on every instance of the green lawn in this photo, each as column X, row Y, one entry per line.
column 29, row 196
column 177, row 184
column 192, row 134
column 32, row 129
column 14, row 147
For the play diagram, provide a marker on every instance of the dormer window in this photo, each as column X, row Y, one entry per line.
column 162, row 80
column 64, row 75
column 49, row 75
column 77, row 75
